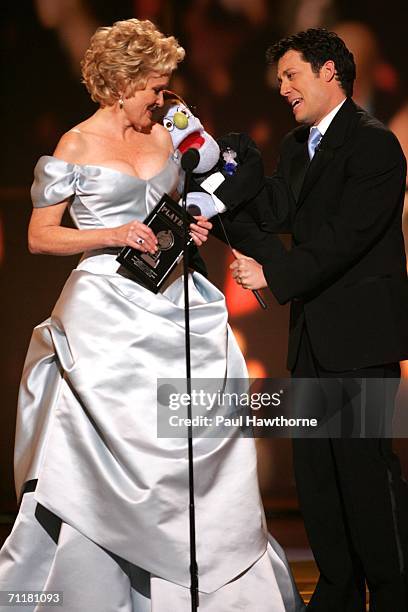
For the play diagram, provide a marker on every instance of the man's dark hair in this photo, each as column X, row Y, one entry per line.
column 317, row 46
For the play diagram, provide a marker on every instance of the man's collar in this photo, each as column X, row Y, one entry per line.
column 339, row 126
column 323, row 125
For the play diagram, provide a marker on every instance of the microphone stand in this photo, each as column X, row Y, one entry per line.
column 189, row 161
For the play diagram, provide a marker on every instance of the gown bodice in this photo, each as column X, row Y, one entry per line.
column 100, row 196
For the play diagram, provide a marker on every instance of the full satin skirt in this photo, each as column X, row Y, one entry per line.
column 108, row 521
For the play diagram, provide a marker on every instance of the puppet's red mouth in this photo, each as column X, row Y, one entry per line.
column 192, row 141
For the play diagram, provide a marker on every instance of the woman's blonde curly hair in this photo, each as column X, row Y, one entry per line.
column 121, row 58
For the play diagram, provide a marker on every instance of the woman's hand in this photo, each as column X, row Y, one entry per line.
column 199, row 231
column 136, row 235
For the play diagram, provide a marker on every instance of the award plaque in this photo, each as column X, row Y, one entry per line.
column 167, row 223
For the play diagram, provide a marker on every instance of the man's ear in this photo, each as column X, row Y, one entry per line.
column 328, row 71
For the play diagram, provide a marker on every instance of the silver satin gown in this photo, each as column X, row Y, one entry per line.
column 108, row 521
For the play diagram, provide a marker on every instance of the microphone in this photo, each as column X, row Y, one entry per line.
column 194, row 210
column 190, row 160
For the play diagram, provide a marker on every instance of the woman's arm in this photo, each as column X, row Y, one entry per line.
column 47, row 236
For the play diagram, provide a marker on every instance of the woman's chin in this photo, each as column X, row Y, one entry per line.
column 144, row 125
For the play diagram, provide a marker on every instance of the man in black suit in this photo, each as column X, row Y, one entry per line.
column 339, row 190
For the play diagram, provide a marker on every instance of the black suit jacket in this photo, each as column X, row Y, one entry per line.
column 346, row 272
column 236, row 191
column 246, row 197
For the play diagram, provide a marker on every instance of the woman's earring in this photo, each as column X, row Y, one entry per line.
column 121, row 103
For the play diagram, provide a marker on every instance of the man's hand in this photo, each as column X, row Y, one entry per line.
column 247, row 272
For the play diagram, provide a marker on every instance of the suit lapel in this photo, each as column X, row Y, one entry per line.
column 298, row 168
column 299, row 162
column 333, row 139
column 315, row 169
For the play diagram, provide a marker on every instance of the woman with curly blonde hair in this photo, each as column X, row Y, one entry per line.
column 103, row 520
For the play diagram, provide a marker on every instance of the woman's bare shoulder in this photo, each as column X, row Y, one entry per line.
column 162, row 136
column 72, row 147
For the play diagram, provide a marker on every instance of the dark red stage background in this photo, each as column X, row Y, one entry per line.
column 225, row 78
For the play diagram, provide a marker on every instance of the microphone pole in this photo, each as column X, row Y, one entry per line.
column 189, row 161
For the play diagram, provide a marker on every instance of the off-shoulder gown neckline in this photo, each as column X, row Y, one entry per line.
column 114, row 170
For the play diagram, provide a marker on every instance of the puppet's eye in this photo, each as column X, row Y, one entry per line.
column 184, row 110
column 168, row 124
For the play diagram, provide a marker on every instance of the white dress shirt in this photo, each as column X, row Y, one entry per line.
column 323, row 125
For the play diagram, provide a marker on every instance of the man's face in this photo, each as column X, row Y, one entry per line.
column 307, row 92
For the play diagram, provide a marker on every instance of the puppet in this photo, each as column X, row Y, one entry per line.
column 230, row 171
